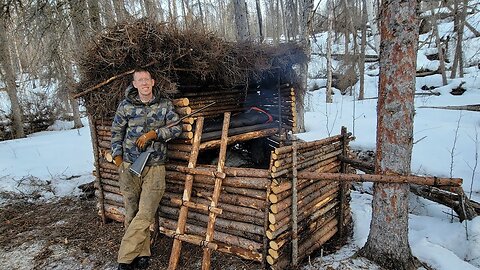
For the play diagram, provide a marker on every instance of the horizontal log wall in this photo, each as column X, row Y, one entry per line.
column 255, row 222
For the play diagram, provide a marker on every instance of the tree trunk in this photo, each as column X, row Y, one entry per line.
column 151, row 9
column 456, row 26
column 387, row 243
column 277, row 22
column 9, row 79
column 94, row 15
column 305, row 29
column 109, row 13
column 241, row 20
column 260, row 22
column 202, row 17
column 461, row 27
column 81, row 33
column 289, row 20
column 372, row 10
column 329, row 53
column 361, row 68
column 120, row 11
column 438, row 43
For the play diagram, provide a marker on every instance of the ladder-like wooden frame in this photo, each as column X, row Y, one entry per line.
column 179, row 235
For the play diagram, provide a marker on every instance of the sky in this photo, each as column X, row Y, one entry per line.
column 53, row 163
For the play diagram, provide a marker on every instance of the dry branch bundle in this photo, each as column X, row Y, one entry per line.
column 177, row 59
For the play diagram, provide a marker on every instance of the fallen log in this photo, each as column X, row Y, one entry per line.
column 463, row 207
column 473, row 107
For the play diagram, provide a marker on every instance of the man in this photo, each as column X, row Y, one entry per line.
column 140, row 122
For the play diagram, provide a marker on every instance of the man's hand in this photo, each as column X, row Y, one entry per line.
column 118, row 160
column 143, row 140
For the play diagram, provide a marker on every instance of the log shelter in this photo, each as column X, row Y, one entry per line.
column 268, row 212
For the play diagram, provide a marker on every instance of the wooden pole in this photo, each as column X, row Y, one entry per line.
column 216, row 192
column 294, row 206
column 182, row 217
column 343, row 169
column 98, row 180
column 412, row 179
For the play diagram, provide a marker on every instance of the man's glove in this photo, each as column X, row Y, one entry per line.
column 143, row 140
column 118, row 160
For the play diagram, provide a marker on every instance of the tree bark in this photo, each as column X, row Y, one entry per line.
column 387, row 243
column 361, row 94
column 289, row 20
column 241, row 20
column 329, row 53
column 120, row 11
column 9, row 78
column 260, row 22
column 94, row 15
column 372, row 10
column 151, row 9
column 438, row 43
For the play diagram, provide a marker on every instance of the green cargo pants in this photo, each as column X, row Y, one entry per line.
column 141, row 197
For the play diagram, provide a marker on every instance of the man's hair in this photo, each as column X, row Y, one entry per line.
column 139, row 69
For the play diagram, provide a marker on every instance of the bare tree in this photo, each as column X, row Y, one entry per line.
column 8, row 74
column 328, row 96
column 94, row 15
column 120, row 10
column 151, row 9
column 361, row 94
column 259, row 18
column 241, row 20
column 440, row 49
column 306, row 19
column 289, row 20
column 109, row 12
column 372, row 11
column 387, row 243
column 81, row 33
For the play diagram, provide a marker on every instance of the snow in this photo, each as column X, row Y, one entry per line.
column 447, row 142
column 57, row 160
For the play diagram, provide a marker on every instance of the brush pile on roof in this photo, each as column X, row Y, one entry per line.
column 174, row 57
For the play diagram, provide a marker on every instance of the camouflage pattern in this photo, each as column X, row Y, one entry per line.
column 134, row 118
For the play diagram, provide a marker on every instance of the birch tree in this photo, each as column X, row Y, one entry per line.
column 387, row 243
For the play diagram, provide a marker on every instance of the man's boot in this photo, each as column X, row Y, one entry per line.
column 141, row 262
column 125, row 266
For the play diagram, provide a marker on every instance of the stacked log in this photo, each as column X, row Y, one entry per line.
column 254, row 211
column 318, row 202
column 243, row 202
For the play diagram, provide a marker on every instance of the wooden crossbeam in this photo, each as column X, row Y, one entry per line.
column 412, row 179
column 216, row 191
column 182, row 217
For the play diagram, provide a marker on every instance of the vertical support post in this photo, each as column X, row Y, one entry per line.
column 216, row 191
column 343, row 186
column 98, row 180
column 187, row 192
column 294, row 205
column 266, row 222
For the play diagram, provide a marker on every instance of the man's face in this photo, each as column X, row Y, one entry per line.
column 144, row 83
